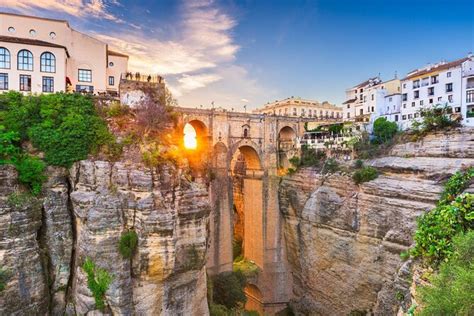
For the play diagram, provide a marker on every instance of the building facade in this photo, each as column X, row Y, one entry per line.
column 443, row 84
column 40, row 55
column 297, row 107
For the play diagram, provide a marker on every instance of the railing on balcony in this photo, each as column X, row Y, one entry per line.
column 136, row 76
column 470, row 113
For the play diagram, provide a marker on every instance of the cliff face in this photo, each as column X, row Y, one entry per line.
column 344, row 240
column 43, row 243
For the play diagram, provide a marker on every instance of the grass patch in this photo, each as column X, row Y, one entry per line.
column 128, row 244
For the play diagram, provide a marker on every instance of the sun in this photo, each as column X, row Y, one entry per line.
column 190, row 141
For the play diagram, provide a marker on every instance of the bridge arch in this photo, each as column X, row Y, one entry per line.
column 286, row 146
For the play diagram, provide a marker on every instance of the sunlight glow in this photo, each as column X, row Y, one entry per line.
column 190, row 141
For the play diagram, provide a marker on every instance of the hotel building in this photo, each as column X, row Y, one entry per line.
column 40, row 55
column 298, row 107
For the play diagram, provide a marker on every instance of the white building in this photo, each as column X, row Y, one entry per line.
column 444, row 83
column 46, row 55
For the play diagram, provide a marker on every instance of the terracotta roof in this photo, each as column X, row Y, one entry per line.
column 416, row 73
column 113, row 53
column 28, row 41
column 350, row 101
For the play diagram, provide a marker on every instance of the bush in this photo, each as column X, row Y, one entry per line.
column 9, row 146
column 434, row 119
column 218, row 310
column 452, row 289
column 437, row 228
column 456, row 185
column 330, row 166
column 358, row 164
column 4, row 277
column 384, row 130
column 228, row 289
column 248, row 268
column 98, row 281
column 364, row 174
column 236, row 248
column 31, row 173
column 128, row 243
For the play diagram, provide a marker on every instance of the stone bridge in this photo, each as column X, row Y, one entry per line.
column 245, row 152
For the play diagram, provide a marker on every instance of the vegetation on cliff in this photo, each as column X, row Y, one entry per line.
column 128, row 243
column 98, row 281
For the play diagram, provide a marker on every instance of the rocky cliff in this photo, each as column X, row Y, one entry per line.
column 344, row 240
column 82, row 214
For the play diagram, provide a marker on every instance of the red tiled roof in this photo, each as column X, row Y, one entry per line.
column 28, row 41
column 421, row 72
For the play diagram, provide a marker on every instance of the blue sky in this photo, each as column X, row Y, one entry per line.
column 239, row 53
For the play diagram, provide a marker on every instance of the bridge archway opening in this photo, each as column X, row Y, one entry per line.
column 196, row 145
column 247, row 172
column 286, row 146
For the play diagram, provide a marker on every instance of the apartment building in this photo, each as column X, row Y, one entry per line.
column 40, row 55
column 298, row 107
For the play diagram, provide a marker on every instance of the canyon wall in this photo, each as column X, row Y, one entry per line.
column 84, row 211
column 344, row 240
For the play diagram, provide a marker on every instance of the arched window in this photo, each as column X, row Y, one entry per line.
column 48, row 62
column 25, row 60
column 4, row 58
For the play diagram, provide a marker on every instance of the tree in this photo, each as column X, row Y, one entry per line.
column 384, row 130
column 228, row 289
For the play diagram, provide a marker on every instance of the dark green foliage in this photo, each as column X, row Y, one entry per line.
column 452, row 289
column 364, row 174
column 66, row 127
column 98, row 281
column 309, row 157
column 228, row 289
column 4, row 277
column 384, row 130
column 9, row 145
column 31, row 172
column 335, row 128
column 218, row 310
column 437, row 228
column 358, row 164
column 330, row 166
column 128, row 243
column 434, row 119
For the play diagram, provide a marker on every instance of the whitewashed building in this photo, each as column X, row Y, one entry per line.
column 467, row 98
column 443, row 83
column 39, row 55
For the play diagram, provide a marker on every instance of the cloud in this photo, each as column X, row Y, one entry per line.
column 244, row 100
column 77, row 8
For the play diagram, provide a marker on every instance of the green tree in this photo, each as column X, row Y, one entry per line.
column 128, row 243
column 228, row 289
column 384, row 130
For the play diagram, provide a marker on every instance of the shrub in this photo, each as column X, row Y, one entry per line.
column 236, row 247
column 228, row 289
column 452, row 289
column 364, row 174
column 358, row 164
column 404, row 255
column 9, row 147
column 98, row 281
column 384, row 130
column 437, row 228
column 4, row 277
column 311, row 157
column 330, row 166
column 248, row 268
column 31, row 172
column 128, row 243
column 117, row 109
column 456, row 185
column 434, row 119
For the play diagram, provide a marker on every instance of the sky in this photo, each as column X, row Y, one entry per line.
column 247, row 53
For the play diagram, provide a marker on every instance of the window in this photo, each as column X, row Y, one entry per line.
column 361, row 111
column 84, row 88
column 32, row 32
column 449, row 87
column 112, row 82
column 413, row 104
column 434, row 79
column 372, row 97
column 365, row 98
column 3, row 81
column 410, row 116
column 4, row 58
column 48, row 62
column 416, row 84
column 348, row 106
column 448, row 74
column 372, row 109
column 404, row 86
column 85, row 75
column 25, row 83
column 361, row 97
column 295, row 112
column 390, row 99
column 416, row 115
column 25, row 60
column 431, row 91
column 416, row 94
column 52, row 35
column 450, row 98
column 279, row 112
column 404, row 97
column 440, row 98
column 457, row 109
column 425, row 82
column 404, row 117
column 310, row 112
column 348, row 115
column 421, row 102
column 11, row 29
column 48, row 84
column 470, row 96
column 431, row 101
column 404, row 105
column 396, row 118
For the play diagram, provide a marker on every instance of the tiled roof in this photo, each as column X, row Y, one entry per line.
column 365, row 82
column 113, row 53
column 421, row 72
column 349, row 101
column 28, row 41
